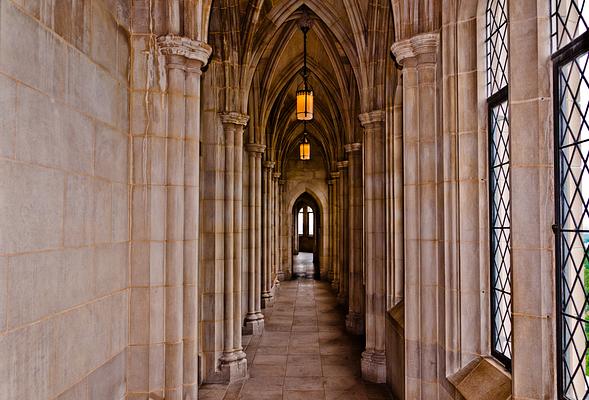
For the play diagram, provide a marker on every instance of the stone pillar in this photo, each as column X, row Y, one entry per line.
column 335, row 229
column 267, row 296
column 342, row 295
column 234, row 364
column 191, row 228
column 258, row 240
column 174, row 270
column 331, row 200
column 276, row 223
column 373, row 358
column 355, row 319
column 254, row 319
column 283, row 232
column 418, row 56
column 184, row 59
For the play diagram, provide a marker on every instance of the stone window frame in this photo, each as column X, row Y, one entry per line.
column 497, row 93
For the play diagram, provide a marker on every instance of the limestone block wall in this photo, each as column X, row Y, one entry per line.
column 64, row 236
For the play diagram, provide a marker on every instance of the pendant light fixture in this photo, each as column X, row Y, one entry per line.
column 304, row 90
column 305, row 146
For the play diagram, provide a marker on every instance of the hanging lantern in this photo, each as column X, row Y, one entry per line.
column 304, row 102
column 305, row 147
column 305, row 150
column 305, row 91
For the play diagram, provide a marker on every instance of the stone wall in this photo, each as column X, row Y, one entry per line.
column 64, row 240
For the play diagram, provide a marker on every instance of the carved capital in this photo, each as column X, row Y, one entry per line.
column 335, row 175
column 255, row 148
column 420, row 47
column 269, row 164
column 234, row 118
column 371, row 118
column 342, row 164
column 277, row 176
column 172, row 45
column 351, row 147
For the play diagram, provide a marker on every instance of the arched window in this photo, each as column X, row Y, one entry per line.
column 311, row 221
column 301, row 221
column 499, row 178
column 570, row 46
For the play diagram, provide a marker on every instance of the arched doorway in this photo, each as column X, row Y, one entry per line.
column 306, row 235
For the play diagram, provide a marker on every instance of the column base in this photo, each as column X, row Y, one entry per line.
column 267, row 299
column 280, row 276
column 374, row 368
column 355, row 323
column 235, row 370
column 253, row 326
column 335, row 285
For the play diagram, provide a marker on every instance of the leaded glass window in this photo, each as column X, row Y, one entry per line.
column 570, row 43
column 499, row 179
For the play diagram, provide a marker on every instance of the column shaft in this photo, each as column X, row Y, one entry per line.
column 355, row 319
column 191, row 228
column 254, row 320
column 259, row 263
column 373, row 358
column 174, row 228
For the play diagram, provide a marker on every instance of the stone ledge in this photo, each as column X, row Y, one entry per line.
column 482, row 379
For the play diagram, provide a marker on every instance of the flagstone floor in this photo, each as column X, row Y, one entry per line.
column 304, row 352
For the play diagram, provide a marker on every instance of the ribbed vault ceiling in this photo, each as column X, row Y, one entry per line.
column 264, row 58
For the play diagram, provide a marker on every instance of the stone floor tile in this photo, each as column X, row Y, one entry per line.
column 304, row 395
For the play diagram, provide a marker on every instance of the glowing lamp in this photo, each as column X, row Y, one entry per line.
column 305, row 103
column 305, row 149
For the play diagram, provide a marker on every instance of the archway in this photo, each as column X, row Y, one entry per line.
column 306, row 237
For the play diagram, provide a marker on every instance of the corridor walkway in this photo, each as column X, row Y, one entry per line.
column 304, row 352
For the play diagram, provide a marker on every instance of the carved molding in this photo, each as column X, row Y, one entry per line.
column 172, row 45
column 419, row 45
column 255, row 148
column 351, row 147
column 371, row 117
column 234, row 118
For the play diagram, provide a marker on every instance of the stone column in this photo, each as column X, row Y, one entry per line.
column 354, row 319
column 276, row 223
column 254, row 320
column 373, row 358
column 233, row 360
column 184, row 58
column 258, row 239
column 418, row 56
column 267, row 296
column 283, row 232
column 191, row 227
column 343, row 233
column 335, row 229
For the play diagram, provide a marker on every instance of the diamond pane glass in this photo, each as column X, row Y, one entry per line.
column 569, row 20
column 573, row 238
column 500, row 230
column 496, row 43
